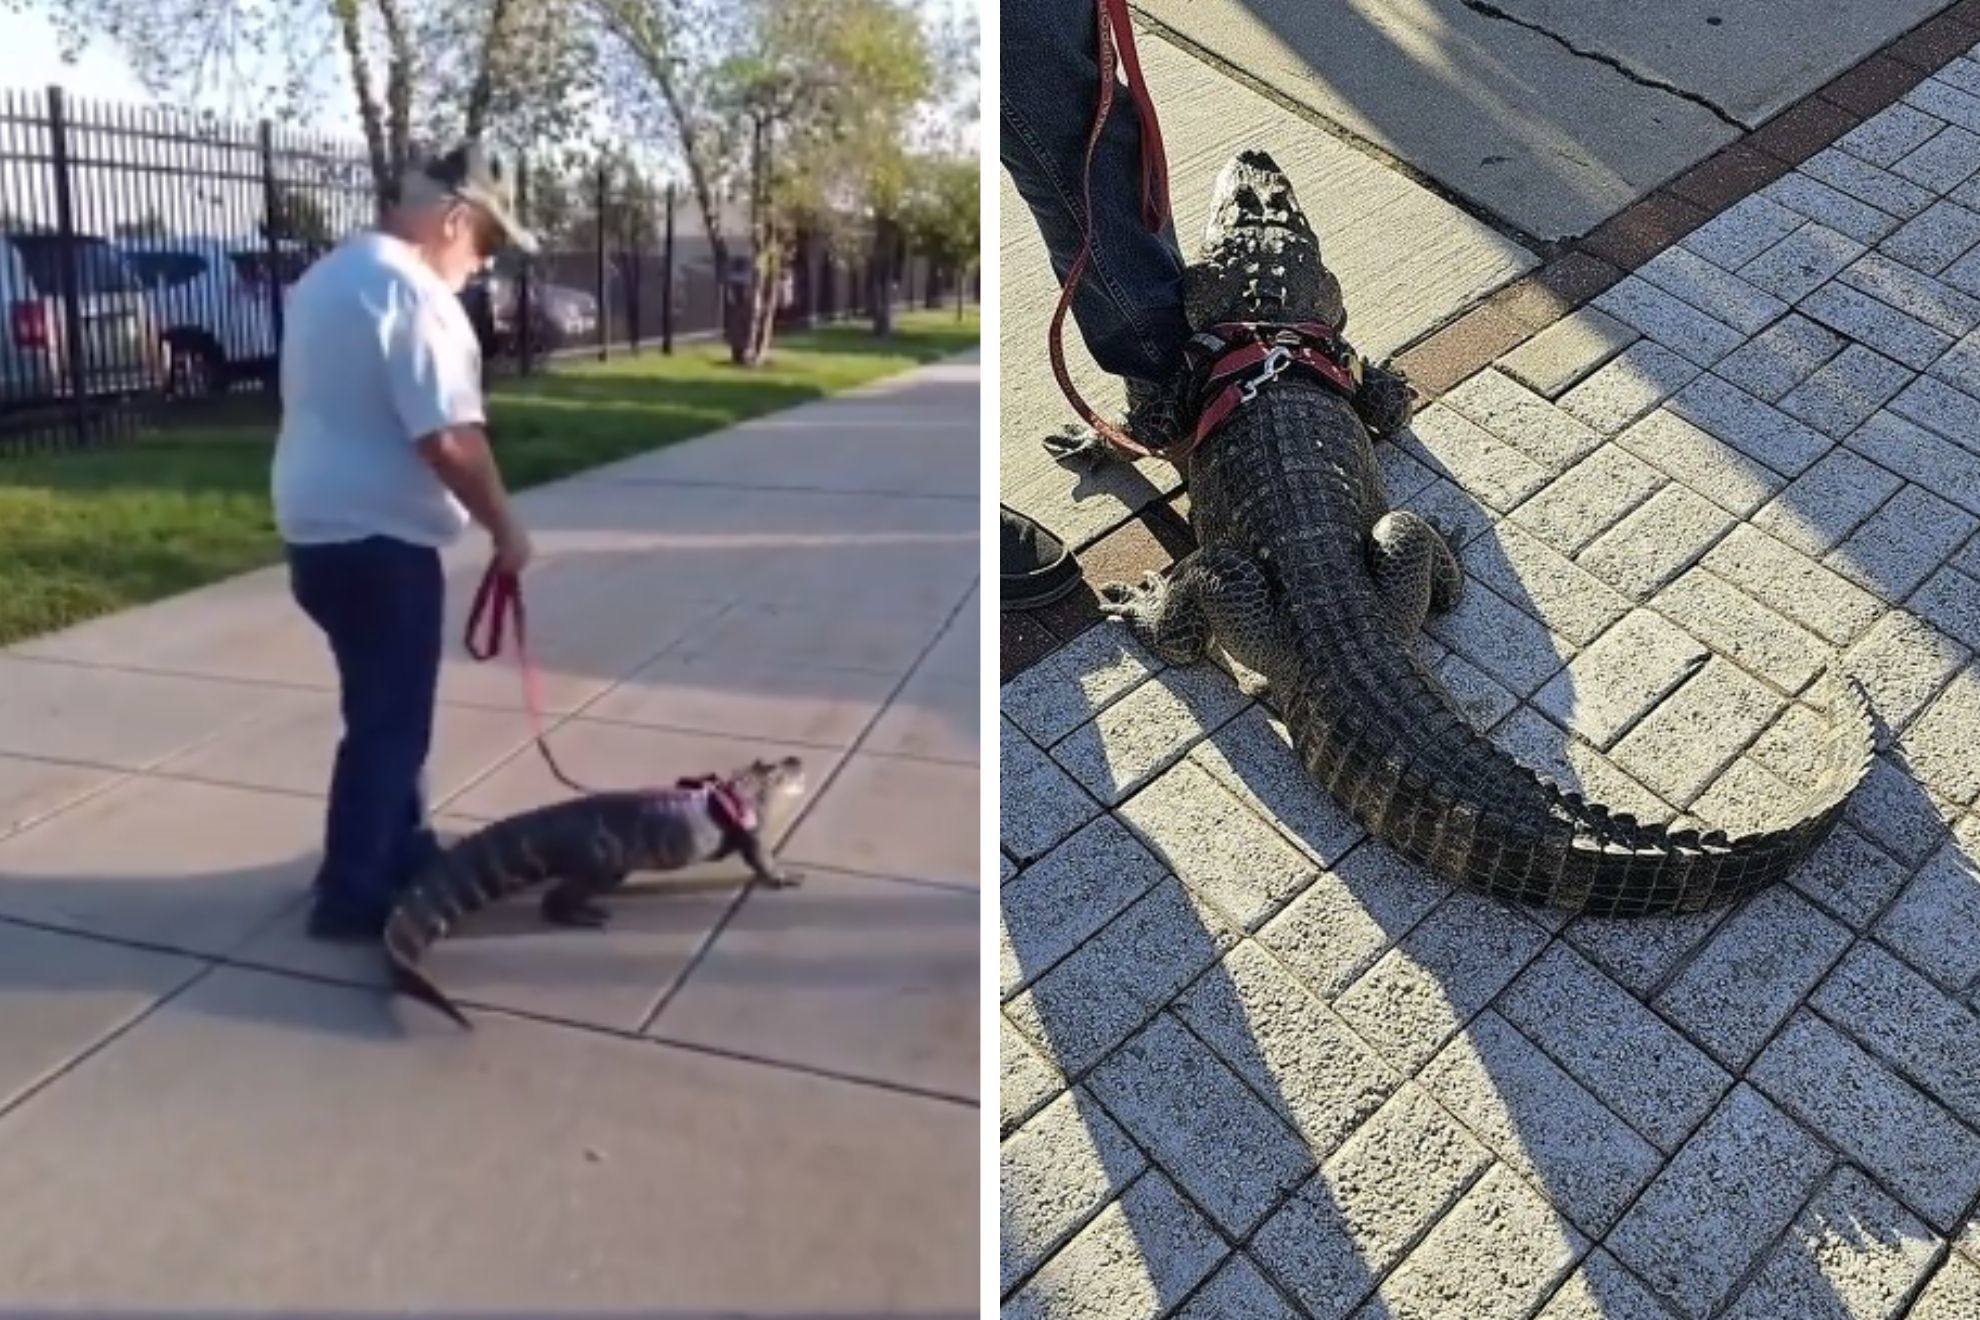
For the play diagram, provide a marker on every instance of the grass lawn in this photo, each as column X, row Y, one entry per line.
column 88, row 533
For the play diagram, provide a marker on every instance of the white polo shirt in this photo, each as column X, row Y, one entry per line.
column 376, row 352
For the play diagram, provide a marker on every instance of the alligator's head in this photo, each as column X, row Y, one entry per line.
column 1261, row 259
column 774, row 787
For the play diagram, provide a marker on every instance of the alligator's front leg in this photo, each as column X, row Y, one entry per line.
column 1210, row 592
column 1383, row 400
column 1081, row 446
column 1154, row 418
column 1415, row 569
column 750, row 847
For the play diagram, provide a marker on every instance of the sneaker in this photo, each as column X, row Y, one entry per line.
column 336, row 919
column 1036, row 568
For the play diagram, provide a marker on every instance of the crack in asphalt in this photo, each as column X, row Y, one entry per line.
column 1489, row 10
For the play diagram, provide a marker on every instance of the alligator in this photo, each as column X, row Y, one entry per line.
column 588, row 845
column 1305, row 576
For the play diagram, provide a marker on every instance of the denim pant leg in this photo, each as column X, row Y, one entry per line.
column 1129, row 305
column 380, row 603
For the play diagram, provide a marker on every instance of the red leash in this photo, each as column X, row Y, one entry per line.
column 498, row 600
column 1116, row 51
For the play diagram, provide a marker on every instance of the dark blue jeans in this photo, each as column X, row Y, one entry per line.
column 381, row 604
column 1129, row 305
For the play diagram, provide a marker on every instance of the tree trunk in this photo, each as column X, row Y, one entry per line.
column 880, row 273
column 650, row 49
column 742, row 342
column 765, row 303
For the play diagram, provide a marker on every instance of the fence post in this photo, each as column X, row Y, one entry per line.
column 602, row 230
column 667, row 278
column 271, row 203
column 520, row 328
column 65, row 226
column 635, row 207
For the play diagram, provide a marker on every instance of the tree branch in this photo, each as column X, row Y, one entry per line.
column 483, row 89
column 640, row 32
column 398, row 79
column 350, row 25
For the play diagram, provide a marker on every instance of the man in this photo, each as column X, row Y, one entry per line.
column 382, row 457
column 1129, row 305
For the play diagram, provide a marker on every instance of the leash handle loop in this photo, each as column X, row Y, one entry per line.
column 498, row 601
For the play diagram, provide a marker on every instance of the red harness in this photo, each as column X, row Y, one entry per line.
column 499, row 601
column 1223, row 354
column 731, row 810
column 1224, row 351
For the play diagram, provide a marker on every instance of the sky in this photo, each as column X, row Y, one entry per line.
column 30, row 58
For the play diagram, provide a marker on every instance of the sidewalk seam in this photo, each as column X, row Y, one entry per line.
column 811, row 802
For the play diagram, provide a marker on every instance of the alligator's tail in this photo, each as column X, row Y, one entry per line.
column 402, row 946
column 1580, row 855
column 1618, row 867
column 444, row 893
column 404, row 943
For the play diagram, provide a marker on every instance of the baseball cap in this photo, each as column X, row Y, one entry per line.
column 468, row 174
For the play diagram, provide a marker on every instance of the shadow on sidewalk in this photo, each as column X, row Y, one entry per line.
column 1201, row 984
column 1292, row 1182
column 648, row 911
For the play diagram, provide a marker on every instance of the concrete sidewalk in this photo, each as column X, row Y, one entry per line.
column 750, row 1102
column 1551, row 115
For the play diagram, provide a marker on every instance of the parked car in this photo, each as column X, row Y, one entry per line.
column 210, row 299
column 119, row 348
column 558, row 314
column 562, row 315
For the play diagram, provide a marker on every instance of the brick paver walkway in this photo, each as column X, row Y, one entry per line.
column 1253, row 1065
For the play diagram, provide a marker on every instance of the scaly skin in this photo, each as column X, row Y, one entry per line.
column 588, row 845
column 1305, row 575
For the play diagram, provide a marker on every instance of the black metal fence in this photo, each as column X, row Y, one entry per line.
column 145, row 255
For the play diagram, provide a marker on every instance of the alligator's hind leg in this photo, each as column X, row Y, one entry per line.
column 1415, row 569
column 1162, row 613
column 572, row 901
column 1209, row 592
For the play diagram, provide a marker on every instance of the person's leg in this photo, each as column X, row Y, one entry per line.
column 379, row 603
column 1129, row 305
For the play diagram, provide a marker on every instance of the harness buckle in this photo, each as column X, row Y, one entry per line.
column 1271, row 368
